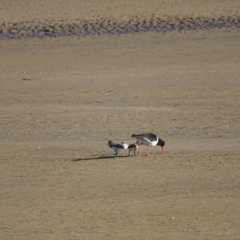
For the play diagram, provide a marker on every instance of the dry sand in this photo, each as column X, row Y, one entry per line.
column 62, row 99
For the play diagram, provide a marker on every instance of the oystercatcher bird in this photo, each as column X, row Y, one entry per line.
column 115, row 147
column 150, row 140
column 133, row 147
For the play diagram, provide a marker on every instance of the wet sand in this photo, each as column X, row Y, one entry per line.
column 78, row 18
column 63, row 98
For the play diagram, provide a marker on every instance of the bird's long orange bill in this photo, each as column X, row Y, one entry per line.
column 162, row 149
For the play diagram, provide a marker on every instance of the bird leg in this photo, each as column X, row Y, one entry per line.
column 139, row 150
column 148, row 151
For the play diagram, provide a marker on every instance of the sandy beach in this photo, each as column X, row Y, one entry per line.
column 63, row 97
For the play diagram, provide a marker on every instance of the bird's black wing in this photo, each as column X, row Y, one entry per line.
column 118, row 146
column 132, row 146
column 150, row 136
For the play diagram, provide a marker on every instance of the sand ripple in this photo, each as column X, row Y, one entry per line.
column 107, row 25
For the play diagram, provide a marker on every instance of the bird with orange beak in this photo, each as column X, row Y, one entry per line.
column 150, row 140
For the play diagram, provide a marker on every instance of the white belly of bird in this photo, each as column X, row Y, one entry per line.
column 149, row 143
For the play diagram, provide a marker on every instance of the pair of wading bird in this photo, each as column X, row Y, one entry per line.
column 148, row 139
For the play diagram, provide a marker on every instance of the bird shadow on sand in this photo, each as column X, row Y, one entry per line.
column 98, row 158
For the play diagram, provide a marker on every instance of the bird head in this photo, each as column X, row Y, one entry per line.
column 110, row 143
column 162, row 144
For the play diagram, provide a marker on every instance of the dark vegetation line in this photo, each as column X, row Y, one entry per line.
column 104, row 25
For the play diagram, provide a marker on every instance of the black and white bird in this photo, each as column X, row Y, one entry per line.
column 133, row 147
column 150, row 140
column 115, row 147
